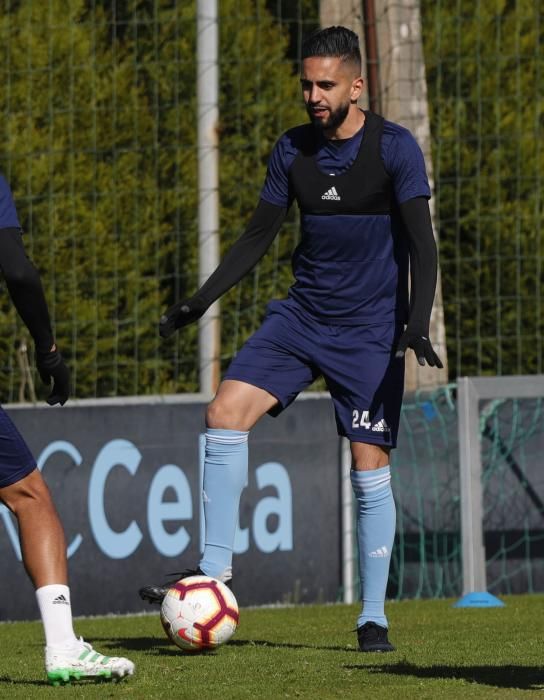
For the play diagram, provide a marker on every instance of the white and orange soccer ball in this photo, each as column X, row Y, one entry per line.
column 199, row 613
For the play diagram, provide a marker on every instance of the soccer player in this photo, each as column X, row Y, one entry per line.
column 22, row 488
column 362, row 190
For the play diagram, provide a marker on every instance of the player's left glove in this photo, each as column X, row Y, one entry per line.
column 182, row 313
column 422, row 347
column 51, row 366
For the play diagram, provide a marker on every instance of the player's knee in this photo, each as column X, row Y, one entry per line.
column 221, row 415
column 366, row 457
column 30, row 490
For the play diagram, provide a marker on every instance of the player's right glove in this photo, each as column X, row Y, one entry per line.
column 181, row 314
column 51, row 366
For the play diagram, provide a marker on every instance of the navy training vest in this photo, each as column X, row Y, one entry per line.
column 351, row 266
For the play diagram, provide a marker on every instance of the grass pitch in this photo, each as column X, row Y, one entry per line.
column 308, row 652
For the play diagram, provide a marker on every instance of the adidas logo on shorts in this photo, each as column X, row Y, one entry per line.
column 331, row 194
column 381, row 427
column 379, row 553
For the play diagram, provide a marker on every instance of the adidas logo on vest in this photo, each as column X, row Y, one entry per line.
column 331, row 194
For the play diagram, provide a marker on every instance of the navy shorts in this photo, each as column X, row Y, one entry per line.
column 16, row 460
column 290, row 350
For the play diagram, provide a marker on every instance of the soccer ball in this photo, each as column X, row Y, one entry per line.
column 199, row 613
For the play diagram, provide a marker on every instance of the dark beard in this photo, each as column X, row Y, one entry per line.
column 335, row 118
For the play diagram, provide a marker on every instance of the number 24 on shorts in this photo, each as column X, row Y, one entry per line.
column 361, row 419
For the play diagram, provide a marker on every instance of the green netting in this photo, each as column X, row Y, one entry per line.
column 512, row 446
column 427, row 557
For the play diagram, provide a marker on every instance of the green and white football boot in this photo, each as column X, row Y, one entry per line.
column 82, row 662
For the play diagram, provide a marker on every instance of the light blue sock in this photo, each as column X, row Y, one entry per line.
column 376, row 522
column 225, row 475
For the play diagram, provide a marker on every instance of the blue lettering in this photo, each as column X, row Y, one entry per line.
column 169, row 476
column 117, row 545
column 75, row 455
column 274, row 474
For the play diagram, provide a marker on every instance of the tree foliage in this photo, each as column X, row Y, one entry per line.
column 485, row 71
column 99, row 145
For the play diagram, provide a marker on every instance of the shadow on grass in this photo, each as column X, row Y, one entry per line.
column 81, row 683
column 164, row 646
column 7, row 681
column 287, row 645
column 518, row 677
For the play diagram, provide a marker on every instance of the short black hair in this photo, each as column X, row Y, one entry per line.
column 334, row 42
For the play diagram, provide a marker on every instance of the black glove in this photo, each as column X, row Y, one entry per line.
column 181, row 314
column 51, row 366
column 422, row 347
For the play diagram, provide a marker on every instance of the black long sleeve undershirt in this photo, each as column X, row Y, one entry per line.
column 245, row 252
column 25, row 288
column 266, row 222
column 416, row 218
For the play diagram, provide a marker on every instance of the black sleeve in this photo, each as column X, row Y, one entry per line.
column 246, row 251
column 416, row 217
column 25, row 288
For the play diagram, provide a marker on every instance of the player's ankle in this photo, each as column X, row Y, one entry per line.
column 220, row 573
column 65, row 645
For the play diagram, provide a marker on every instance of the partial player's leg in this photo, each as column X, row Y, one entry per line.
column 235, row 409
column 376, row 520
column 366, row 383
column 238, row 406
column 265, row 376
column 43, row 547
column 230, row 416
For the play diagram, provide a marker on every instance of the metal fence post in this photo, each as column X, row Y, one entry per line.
column 470, row 465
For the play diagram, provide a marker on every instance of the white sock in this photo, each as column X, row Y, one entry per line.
column 56, row 612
